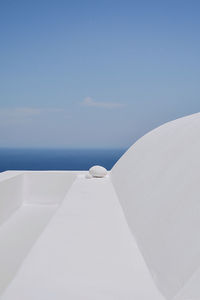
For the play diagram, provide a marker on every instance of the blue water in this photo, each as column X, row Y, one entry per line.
column 57, row 159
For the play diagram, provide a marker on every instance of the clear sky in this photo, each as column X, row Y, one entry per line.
column 95, row 73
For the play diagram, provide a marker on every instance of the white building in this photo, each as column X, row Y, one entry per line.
column 131, row 235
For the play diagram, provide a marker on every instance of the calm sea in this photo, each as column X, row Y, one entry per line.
column 57, row 159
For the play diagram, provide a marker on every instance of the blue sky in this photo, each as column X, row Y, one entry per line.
column 95, row 73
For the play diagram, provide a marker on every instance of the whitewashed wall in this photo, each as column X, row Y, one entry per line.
column 158, row 184
column 47, row 187
column 11, row 196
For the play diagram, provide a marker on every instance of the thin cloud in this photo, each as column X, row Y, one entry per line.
column 26, row 111
column 93, row 103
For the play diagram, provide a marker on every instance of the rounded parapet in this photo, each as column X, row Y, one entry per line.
column 157, row 183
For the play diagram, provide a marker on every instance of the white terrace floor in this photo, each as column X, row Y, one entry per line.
column 85, row 252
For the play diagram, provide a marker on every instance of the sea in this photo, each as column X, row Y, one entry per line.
column 57, row 159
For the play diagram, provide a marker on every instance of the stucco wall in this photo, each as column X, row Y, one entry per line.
column 158, row 185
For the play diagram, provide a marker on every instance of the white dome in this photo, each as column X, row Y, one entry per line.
column 98, row 171
column 157, row 182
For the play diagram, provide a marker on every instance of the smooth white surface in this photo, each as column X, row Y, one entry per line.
column 86, row 252
column 125, row 236
column 158, row 185
column 47, row 187
column 18, row 235
column 98, row 171
column 10, row 188
column 27, row 202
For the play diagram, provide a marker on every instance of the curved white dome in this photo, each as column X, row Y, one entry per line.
column 158, row 184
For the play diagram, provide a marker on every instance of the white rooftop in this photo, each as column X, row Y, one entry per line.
column 133, row 234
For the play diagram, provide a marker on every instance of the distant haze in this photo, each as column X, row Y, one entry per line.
column 95, row 74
